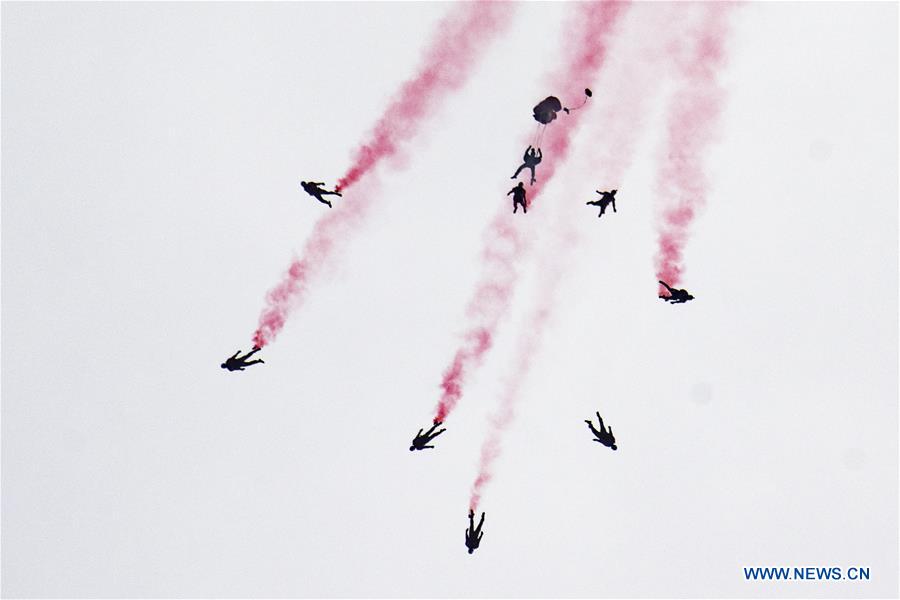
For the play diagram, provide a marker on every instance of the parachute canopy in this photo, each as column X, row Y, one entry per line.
column 545, row 110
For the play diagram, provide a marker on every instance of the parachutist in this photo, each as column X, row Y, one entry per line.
column 606, row 198
column 312, row 188
column 675, row 296
column 419, row 442
column 518, row 193
column 530, row 160
column 603, row 436
column 474, row 534
column 236, row 363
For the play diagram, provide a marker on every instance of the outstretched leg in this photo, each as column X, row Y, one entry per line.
column 515, row 206
column 519, row 170
column 323, row 200
column 532, row 174
column 253, row 362
column 326, row 193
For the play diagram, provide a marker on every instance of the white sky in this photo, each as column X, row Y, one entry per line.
column 151, row 160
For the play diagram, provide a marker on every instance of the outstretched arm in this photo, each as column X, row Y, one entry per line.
column 480, row 535
column 510, row 191
column 593, row 203
column 613, row 202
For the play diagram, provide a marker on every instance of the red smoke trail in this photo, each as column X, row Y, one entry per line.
column 461, row 40
column 693, row 115
column 526, row 349
column 630, row 84
column 587, row 37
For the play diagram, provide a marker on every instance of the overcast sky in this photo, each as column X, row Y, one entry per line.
column 151, row 155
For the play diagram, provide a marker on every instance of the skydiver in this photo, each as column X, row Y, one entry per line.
column 312, row 188
column 474, row 534
column 518, row 193
column 420, row 440
column 603, row 436
column 675, row 296
column 530, row 161
column 236, row 363
column 606, row 198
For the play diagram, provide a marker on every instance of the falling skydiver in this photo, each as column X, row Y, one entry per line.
column 312, row 188
column 518, row 193
column 604, row 436
column 236, row 363
column 474, row 534
column 419, row 442
column 606, row 198
column 675, row 296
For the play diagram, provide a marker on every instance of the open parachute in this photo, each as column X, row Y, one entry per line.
column 545, row 113
column 545, row 110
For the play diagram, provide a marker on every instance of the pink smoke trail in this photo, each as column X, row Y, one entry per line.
column 588, row 37
column 526, row 349
column 695, row 108
column 462, row 38
column 633, row 81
